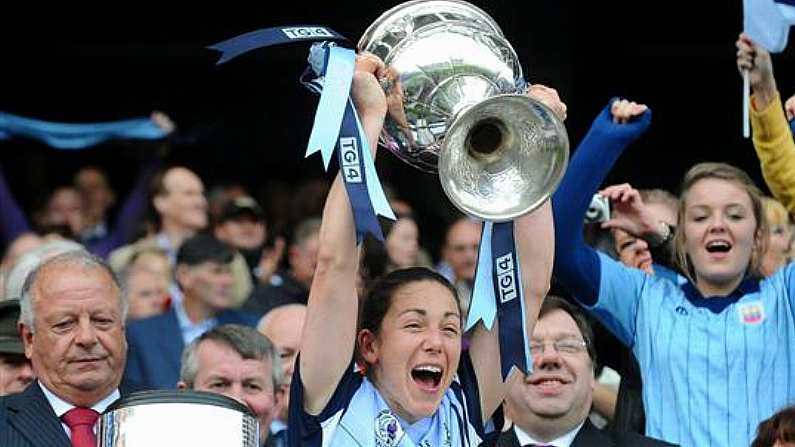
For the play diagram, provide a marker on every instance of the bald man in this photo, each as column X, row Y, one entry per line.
column 283, row 325
column 181, row 207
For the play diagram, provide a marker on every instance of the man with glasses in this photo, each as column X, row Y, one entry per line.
column 550, row 406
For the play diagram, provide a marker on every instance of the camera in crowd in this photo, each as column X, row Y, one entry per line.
column 598, row 210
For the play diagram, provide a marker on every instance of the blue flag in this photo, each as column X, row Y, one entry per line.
column 78, row 136
column 767, row 22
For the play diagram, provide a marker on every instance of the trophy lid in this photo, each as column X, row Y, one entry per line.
column 452, row 9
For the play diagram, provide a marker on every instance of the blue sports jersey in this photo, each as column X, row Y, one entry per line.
column 357, row 416
column 712, row 368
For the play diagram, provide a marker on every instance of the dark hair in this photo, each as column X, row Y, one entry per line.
column 378, row 301
column 305, row 229
column 779, row 427
column 157, row 188
column 204, row 248
column 157, row 185
column 553, row 303
column 373, row 261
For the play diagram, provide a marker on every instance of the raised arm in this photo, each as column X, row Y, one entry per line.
column 772, row 136
column 576, row 264
column 330, row 328
column 535, row 242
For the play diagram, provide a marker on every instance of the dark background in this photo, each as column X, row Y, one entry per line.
column 249, row 120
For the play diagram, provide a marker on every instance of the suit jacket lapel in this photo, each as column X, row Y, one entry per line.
column 32, row 416
column 591, row 436
column 507, row 439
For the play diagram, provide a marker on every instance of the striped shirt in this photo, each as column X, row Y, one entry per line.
column 712, row 368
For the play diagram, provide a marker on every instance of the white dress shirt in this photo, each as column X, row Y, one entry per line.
column 563, row 441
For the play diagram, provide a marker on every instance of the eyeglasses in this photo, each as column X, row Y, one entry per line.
column 562, row 346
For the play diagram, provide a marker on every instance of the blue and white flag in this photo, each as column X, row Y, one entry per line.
column 767, row 22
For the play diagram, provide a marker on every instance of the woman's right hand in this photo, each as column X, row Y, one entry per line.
column 629, row 212
column 367, row 93
column 756, row 61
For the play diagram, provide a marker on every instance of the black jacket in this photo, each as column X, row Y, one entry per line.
column 28, row 420
column 588, row 436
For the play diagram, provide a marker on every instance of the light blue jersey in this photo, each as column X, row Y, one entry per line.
column 712, row 368
column 357, row 416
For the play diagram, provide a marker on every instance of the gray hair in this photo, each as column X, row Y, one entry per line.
column 27, row 262
column 246, row 341
column 80, row 258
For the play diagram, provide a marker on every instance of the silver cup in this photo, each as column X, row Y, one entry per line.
column 456, row 106
column 173, row 418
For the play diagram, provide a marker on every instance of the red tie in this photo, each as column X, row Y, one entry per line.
column 81, row 422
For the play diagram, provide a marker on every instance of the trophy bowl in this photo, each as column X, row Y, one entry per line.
column 173, row 418
column 456, row 95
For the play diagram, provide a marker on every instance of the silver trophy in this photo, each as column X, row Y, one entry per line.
column 456, row 106
column 174, row 418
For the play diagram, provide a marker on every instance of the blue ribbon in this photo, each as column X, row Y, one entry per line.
column 337, row 73
column 234, row 47
column 792, row 127
column 353, row 152
column 483, row 305
column 337, row 125
column 498, row 292
column 77, row 136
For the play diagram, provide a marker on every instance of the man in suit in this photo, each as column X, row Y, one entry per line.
column 550, row 406
column 204, row 276
column 72, row 327
column 181, row 212
column 238, row 362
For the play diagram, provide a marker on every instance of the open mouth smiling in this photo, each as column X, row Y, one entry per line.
column 718, row 246
column 427, row 377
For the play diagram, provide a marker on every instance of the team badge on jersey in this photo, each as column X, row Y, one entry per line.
column 388, row 431
column 752, row 313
